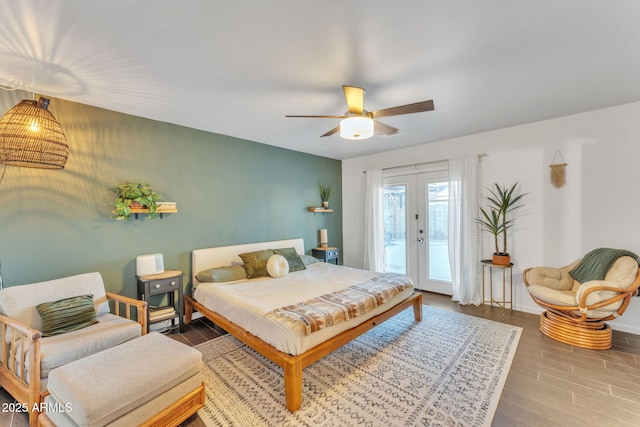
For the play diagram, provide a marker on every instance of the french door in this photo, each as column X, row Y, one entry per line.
column 416, row 228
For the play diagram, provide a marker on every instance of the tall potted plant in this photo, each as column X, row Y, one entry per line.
column 496, row 218
column 326, row 191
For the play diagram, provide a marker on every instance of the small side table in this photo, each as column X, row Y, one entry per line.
column 488, row 264
column 326, row 254
column 169, row 282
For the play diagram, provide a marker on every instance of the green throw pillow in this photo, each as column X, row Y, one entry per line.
column 222, row 274
column 66, row 315
column 308, row 259
column 294, row 260
column 255, row 263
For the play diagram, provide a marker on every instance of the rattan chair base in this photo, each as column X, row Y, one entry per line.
column 589, row 335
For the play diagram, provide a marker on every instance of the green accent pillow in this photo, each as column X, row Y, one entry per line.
column 222, row 274
column 66, row 315
column 255, row 263
column 294, row 260
column 308, row 259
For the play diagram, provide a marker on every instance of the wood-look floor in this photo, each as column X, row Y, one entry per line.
column 554, row 384
column 549, row 384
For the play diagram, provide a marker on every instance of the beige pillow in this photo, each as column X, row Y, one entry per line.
column 277, row 266
column 601, row 295
column 553, row 278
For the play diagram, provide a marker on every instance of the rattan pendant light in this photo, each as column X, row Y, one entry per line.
column 30, row 136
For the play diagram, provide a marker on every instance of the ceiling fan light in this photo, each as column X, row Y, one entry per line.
column 356, row 128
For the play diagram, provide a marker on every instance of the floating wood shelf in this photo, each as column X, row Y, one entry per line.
column 160, row 212
column 315, row 209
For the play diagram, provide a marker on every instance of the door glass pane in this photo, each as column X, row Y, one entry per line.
column 395, row 228
column 438, row 208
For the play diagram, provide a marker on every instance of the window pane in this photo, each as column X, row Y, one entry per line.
column 395, row 228
column 438, row 205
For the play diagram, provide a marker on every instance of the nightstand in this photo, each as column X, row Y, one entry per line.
column 170, row 283
column 326, row 254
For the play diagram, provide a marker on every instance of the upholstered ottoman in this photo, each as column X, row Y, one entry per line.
column 151, row 380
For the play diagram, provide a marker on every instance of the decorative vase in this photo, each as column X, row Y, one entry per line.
column 135, row 205
column 325, row 204
column 501, row 259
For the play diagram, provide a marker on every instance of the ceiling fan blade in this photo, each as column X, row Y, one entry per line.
column 320, row 117
column 417, row 107
column 379, row 127
column 331, row 132
column 355, row 99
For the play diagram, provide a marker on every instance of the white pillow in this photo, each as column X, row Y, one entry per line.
column 277, row 266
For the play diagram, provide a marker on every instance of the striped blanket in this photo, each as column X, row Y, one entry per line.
column 336, row 307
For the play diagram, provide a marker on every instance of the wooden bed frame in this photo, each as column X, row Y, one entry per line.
column 292, row 365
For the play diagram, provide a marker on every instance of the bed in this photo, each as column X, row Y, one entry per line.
column 258, row 311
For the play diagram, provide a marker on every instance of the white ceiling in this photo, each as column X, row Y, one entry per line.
column 238, row 67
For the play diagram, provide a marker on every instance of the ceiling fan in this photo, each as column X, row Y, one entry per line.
column 358, row 123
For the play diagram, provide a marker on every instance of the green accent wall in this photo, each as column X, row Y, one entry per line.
column 228, row 191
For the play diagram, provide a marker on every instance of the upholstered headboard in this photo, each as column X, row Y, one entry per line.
column 202, row 259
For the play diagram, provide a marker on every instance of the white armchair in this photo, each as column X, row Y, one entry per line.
column 26, row 357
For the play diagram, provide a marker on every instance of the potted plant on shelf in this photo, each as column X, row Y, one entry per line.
column 502, row 202
column 134, row 196
column 326, row 190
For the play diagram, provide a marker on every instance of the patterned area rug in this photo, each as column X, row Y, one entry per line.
column 447, row 370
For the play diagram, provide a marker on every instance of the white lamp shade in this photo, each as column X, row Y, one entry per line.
column 323, row 236
column 356, row 128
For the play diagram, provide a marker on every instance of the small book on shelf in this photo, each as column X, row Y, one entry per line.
column 154, row 317
column 160, row 313
column 165, row 206
column 162, row 310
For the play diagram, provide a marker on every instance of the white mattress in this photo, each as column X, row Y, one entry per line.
column 246, row 302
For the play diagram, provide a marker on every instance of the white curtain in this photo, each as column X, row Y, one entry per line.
column 464, row 239
column 373, row 222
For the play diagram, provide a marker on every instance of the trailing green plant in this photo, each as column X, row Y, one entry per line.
column 129, row 193
column 502, row 202
column 326, row 190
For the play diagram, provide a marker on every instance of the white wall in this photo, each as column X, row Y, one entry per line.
column 598, row 207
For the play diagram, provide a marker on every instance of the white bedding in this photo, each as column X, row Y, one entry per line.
column 246, row 302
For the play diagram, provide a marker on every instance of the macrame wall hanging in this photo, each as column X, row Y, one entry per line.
column 558, row 170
